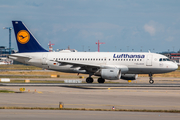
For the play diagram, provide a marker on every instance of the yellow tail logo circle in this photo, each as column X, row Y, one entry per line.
column 23, row 36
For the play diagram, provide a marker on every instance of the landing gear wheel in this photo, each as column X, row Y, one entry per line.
column 101, row 80
column 89, row 80
column 151, row 81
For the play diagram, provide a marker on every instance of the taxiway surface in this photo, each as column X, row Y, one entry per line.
column 83, row 115
column 151, row 98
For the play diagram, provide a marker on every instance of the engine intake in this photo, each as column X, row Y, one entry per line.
column 111, row 74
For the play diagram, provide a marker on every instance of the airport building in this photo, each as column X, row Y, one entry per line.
column 3, row 55
column 174, row 56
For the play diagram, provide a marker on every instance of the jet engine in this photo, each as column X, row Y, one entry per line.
column 111, row 74
column 129, row 76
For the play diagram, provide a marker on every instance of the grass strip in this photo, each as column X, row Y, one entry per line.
column 19, row 67
column 35, row 81
column 90, row 109
column 25, row 77
column 6, row 91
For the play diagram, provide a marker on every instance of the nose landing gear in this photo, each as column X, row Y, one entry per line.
column 151, row 81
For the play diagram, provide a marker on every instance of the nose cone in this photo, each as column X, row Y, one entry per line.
column 174, row 66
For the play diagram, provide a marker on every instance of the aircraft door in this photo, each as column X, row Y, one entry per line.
column 149, row 60
column 44, row 59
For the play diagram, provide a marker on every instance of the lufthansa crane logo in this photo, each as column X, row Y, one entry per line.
column 23, row 36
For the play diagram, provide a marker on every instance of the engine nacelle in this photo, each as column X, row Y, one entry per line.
column 129, row 76
column 111, row 74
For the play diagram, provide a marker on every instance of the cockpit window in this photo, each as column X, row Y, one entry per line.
column 167, row 59
column 164, row 59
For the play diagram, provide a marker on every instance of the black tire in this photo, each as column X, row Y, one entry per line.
column 151, row 81
column 89, row 80
column 101, row 80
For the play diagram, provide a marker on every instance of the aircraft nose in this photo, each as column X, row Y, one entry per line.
column 175, row 66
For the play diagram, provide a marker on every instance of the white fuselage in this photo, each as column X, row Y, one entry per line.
column 128, row 62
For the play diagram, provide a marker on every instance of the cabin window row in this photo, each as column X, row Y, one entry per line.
column 127, row 59
column 89, row 59
column 96, row 59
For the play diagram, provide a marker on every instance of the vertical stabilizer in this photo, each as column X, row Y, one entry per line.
column 25, row 40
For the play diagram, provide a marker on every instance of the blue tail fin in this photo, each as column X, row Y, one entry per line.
column 25, row 40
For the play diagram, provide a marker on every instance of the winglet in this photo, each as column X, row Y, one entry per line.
column 25, row 40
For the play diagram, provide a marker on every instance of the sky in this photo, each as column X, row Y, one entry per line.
column 124, row 25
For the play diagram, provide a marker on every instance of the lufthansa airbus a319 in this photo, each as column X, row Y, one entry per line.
column 106, row 65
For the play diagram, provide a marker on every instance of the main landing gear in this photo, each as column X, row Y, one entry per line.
column 90, row 80
column 151, row 81
column 101, row 80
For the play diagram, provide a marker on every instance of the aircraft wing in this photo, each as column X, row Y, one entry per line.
column 92, row 67
column 77, row 64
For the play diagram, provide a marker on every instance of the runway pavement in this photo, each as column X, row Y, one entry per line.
column 151, row 98
column 92, row 84
column 164, row 94
column 83, row 115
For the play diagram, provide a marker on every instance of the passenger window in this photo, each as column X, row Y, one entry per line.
column 64, row 58
column 104, row 59
column 72, row 58
column 132, row 59
column 140, row 59
column 160, row 59
column 61, row 58
column 137, row 59
column 129, row 59
column 126, row 59
column 164, row 59
column 109, row 59
column 75, row 59
column 69, row 58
